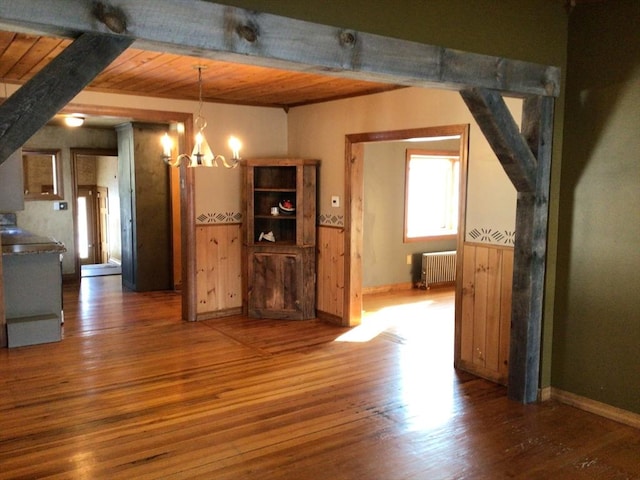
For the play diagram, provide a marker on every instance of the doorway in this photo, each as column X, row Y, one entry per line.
column 89, row 227
column 385, row 249
column 354, row 207
column 97, row 213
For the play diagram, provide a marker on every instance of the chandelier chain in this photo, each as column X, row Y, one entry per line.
column 200, row 121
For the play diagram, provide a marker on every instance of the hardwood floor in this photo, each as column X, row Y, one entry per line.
column 134, row 392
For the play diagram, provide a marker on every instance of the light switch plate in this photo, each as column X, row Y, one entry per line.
column 335, row 201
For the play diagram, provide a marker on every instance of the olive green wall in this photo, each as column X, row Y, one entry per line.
column 596, row 345
column 531, row 30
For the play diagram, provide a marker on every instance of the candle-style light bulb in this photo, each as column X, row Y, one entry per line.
column 167, row 144
column 198, row 146
column 235, row 146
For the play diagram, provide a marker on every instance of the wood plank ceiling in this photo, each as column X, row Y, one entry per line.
column 166, row 75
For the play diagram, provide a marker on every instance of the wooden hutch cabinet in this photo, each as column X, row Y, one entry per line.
column 279, row 238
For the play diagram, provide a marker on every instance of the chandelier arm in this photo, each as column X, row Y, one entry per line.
column 176, row 162
column 233, row 164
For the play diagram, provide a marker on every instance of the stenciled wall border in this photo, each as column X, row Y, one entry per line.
column 492, row 236
column 485, row 234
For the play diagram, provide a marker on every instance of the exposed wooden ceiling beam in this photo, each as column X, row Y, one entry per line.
column 209, row 30
column 38, row 100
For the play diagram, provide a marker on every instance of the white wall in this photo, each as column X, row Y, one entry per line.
column 319, row 131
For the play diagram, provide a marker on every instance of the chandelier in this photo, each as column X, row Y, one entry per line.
column 201, row 156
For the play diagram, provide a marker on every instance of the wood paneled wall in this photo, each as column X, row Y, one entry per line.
column 485, row 316
column 330, row 273
column 218, row 270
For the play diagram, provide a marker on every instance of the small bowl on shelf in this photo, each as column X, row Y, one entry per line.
column 286, row 207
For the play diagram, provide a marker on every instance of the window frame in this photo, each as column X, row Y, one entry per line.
column 455, row 157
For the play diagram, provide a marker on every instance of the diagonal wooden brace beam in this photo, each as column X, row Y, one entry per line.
column 38, row 100
column 502, row 132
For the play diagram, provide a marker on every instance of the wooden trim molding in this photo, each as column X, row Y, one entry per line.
column 602, row 409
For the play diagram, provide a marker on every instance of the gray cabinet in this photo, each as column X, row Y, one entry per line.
column 12, row 183
column 145, row 208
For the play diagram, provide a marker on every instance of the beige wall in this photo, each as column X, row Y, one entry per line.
column 263, row 132
column 319, row 131
column 39, row 216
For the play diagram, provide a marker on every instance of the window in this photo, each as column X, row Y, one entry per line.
column 431, row 195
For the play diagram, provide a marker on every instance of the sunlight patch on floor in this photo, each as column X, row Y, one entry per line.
column 427, row 386
column 424, row 331
column 376, row 322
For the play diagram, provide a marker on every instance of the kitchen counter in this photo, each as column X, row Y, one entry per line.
column 16, row 241
column 32, row 281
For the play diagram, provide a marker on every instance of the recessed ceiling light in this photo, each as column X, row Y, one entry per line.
column 74, row 121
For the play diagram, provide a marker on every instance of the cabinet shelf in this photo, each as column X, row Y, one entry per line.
column 282, row 190
column 277, row 218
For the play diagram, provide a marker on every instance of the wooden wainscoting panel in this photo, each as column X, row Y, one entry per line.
column 330, row 272
column 218, row 270
column 468, row 294
column 493, row 308
column 486, row 311
column 480, row 306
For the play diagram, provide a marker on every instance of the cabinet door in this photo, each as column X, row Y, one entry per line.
column 275, row 285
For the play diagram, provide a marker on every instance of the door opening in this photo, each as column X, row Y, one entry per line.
column 96, row 219
column 89, row 249
column 354, row 208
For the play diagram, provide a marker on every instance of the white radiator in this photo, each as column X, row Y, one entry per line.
column 438, row 267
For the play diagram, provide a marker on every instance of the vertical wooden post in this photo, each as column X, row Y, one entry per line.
column 530, row 255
